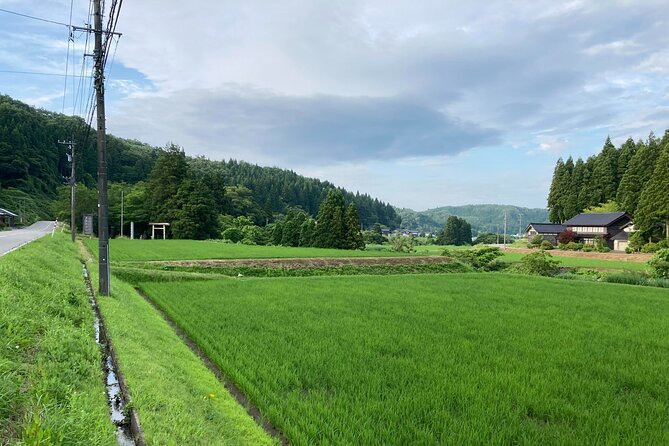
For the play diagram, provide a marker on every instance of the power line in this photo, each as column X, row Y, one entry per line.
column 38, row 73
column 33, row 17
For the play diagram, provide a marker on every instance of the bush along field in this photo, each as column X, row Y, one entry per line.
column 484, row 358
column 51, row 382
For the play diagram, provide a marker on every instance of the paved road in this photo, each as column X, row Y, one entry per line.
column 10, row 240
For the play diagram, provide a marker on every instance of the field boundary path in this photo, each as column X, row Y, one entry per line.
column 307, row 262
column 235, row 391
column 15, row 238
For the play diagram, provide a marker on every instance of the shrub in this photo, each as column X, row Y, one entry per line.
column 539, row 264
column 605, row 249
column 662, row 244
column 566, row 236
column 629, row 250
column 482, row 258
column 546, row 245
column 233, row 234
column 660, row 263
column 573, row 246
column 588, row 248
column 536, row 241
column 649, row 247
column 402, row 244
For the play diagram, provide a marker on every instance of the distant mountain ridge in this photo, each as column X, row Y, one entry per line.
column 482, row 217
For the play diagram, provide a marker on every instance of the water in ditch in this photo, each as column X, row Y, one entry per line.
column 115, row 399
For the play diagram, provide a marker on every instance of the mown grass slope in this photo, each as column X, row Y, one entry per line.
column 438, row 359
column 51, row 383
column 179, row 401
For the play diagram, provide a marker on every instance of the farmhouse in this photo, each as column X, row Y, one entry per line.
column 548, row 231
column 613, row 227
column 6, row 217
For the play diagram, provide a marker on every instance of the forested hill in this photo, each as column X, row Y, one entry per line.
column 33, row 165
column 482, row 217
column 633, row 178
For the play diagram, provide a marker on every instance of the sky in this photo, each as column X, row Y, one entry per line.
column 421, row 104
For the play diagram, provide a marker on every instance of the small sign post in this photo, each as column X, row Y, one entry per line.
column 88, row 224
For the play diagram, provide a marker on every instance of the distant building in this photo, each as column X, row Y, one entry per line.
column 548, row 231
column 6, row 217
column 613, row 227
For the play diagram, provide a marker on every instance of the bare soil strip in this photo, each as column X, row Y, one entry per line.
column 307, row 262
column 241, row 398
column 620, row 256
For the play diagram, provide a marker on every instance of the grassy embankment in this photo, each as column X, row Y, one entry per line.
column 51, row 382
column 178, row 400
column 438, row 359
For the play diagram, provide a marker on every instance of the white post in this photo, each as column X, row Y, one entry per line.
column 132, row 230
column 153, row 232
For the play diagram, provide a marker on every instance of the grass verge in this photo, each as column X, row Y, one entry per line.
column 178, row 400
column 51, row 382
column 438, row 359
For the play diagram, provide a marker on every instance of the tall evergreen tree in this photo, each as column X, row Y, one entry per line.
column 308, row 232
column 457, row 231
column 605, row 173
column 556, row 192
column 164, row 182
column 330, row 222
column 654, row 201
column 196, row 216
column 353, row 233
column 639, row 171
column 579, row 178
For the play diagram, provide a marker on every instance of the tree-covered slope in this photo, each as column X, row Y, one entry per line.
column 33, row 165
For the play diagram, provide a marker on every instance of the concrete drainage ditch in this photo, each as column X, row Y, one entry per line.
column 128, row 430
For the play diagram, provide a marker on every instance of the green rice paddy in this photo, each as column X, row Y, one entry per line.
column 438, row 359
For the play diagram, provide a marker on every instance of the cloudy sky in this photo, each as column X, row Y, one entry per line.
column 421, row 104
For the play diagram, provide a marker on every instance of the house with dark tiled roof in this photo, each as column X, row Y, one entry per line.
column 6, row 217
column 613, row 227
column 548, row 231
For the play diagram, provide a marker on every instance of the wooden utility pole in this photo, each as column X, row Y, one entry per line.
column 121, row 212
column 504, row 229
column 103, row 227
column 73, row 195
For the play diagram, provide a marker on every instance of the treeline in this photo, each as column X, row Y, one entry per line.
column 32, row 161
column 198, row 205
column 633, row 178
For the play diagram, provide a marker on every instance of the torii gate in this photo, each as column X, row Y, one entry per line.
column 158, row 226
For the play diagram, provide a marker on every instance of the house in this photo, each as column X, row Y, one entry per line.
column 6, row 217
column 613, row 227
column 548, row 231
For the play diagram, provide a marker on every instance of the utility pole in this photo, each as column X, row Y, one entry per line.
column 121, row 212
column 505, row 229
column 103, row 227
column 520, row 224
column 73, row 195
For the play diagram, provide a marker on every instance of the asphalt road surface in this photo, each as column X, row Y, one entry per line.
column 10, row 240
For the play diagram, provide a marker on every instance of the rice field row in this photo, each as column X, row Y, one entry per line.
column 438, row 359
